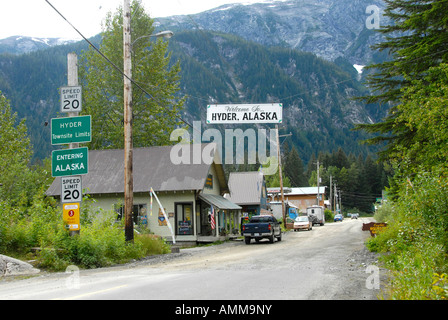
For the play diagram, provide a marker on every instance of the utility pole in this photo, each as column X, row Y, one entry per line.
column 335, row 199
column 331, row 192
column 280, row 173
column 340, row 201
column 318, row 183
column 128, row 149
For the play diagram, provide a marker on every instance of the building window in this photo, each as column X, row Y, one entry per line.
column 184, row 218
column 138, row 213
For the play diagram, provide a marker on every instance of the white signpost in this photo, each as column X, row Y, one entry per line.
column 245, row 113
column 71, row 189
column 71, row 99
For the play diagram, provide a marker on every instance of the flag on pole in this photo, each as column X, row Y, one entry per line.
column 164, row 215
column 212, row 218
column 150, row 206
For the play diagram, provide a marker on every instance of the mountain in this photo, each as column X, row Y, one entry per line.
column 316, row 85
column 20, row 45
column 317, row 95
column 327, row 28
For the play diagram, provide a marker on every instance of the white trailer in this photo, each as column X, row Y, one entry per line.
column 316, row 214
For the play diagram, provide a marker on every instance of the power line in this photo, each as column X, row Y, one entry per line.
column 108, row 60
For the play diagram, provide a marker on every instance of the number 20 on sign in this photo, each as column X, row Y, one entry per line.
column 71, row 99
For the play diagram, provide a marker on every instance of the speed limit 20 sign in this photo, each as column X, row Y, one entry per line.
column 71, row 189
column 71, row 99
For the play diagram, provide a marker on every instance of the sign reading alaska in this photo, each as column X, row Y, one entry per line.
column 244, row 113
column 69, row 162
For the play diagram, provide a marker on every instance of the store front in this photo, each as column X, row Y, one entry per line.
column 219, row 218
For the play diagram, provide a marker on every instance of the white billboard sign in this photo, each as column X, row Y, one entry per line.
column 245, row 113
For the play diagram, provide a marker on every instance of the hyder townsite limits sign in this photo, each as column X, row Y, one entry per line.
column 71, row 130
column 67, row 130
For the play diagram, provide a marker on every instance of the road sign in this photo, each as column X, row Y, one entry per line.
column 71, row 189
column 245, row 113
column 70, row 215
column 69, row 162
column 71, row 130
column 71, row 99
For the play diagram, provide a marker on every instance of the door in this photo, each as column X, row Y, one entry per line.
column 184, row 218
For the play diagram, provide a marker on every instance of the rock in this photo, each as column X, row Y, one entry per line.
column 10, row 266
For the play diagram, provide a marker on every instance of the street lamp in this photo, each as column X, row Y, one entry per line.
column 163, row 34
column 128, row 148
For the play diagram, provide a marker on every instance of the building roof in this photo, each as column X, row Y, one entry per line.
column 245, row 187
column 219, row 201
column 152, row 167
column 297, row 191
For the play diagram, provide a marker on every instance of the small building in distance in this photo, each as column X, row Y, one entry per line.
column 301, row 198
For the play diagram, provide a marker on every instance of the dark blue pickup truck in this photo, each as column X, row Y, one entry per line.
column 261, row 227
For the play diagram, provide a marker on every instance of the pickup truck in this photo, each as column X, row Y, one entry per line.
column 261, row 227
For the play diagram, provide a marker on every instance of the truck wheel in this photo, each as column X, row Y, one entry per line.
column 279, row 238
column 247, row 240
column 271, row 239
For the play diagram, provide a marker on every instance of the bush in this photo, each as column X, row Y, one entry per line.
column 151, row 244
column 101, row 241
column 416, row 237
column 328, row 215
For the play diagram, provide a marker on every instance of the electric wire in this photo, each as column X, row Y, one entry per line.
column 108, row 60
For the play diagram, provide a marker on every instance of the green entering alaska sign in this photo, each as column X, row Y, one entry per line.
column 71, row 130
column 69, row 162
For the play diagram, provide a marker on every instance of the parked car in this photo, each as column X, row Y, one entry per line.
column 355, row 215
column 260, row 227
column 303, row 222
column 338, row 217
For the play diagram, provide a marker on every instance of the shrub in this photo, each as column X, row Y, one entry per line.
column 101, row 241
column 328, row 215
column 152, row 244
column 416, row 239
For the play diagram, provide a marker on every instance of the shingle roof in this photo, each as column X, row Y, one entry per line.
column 245, row 187
column 152, row 167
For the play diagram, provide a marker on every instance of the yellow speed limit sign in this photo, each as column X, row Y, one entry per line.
column 70, row 215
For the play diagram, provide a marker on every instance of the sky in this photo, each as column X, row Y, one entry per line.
column 36, row 18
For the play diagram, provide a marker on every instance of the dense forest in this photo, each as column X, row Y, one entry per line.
column 317, row 95
column 359, row 180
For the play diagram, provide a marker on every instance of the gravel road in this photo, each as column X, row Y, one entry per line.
column 326, row 263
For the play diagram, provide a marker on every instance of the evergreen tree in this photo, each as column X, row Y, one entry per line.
column 417, row 40
column 293, row 167
column 154, row 115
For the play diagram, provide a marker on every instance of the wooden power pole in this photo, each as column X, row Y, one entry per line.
column 281, row 176
column 128, row 149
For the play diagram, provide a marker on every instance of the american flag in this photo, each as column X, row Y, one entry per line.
column 212, row 218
